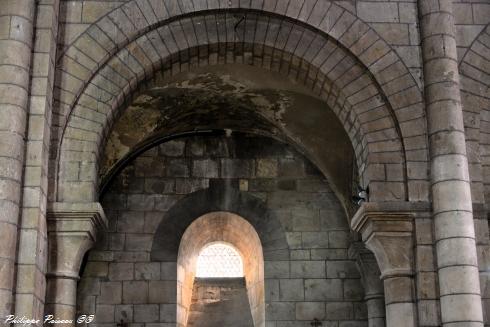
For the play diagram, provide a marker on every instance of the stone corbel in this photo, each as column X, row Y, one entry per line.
column 72, row 229
column 387, row 230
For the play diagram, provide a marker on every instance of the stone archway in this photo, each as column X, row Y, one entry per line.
column 372, row 112
column 232, row 229
column 221, row 197
column 188, row 227
column 70, row 69
column 349, row 67
column 475, row 78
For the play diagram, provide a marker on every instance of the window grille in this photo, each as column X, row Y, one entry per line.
column 219, row 260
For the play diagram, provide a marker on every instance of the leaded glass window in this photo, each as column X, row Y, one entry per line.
column 219, row 260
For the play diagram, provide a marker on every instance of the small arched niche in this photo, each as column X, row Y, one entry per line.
column 231, row 230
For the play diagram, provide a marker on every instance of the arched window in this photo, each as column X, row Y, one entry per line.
column 219, row 260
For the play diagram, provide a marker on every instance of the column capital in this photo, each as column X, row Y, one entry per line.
column 387, row 230
column 72, row 230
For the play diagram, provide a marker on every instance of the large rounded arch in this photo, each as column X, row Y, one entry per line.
column 474, row 71
column 219, row 197
column 475, row 97
column 350, row 72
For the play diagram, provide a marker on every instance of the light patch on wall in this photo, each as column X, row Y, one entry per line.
column 219, row 260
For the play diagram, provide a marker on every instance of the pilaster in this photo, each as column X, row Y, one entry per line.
column 16, row 31
column 30, row 297
column 72, row 229
column 373, row 285
column 387, row 230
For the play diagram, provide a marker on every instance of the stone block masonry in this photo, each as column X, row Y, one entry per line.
column 407, row 80
column 16, row 37
column 311, row 281
column 459, row 282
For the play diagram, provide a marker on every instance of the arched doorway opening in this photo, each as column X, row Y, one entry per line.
column 204, row 242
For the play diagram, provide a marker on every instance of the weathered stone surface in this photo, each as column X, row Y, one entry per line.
column 342, row 269
column 135, row 228
column 205, row 168
column 162, row 292
column 291, row 289
column 135, row 292
column 339, row 311
column 110, row 293
column 236, row 168
column 266, row 168
column 308, row 269
column 147, row 271
column 218, row 302
column 172, row 148
column 281, row 311
column 388, row 95
column 277, row 269
column 146, row 313
column 310, row 310
column 121, row 271
column 323, row 289
column 168, row 313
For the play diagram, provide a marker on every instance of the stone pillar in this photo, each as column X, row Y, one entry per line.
column 451, row 195
column 72, row 231
column 32, row 234
column 373, row 285
column 387, row 230
column 16, row 29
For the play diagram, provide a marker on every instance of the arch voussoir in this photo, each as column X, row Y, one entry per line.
column 349, row 69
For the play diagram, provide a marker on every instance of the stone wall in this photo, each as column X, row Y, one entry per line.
column 119, row 281
column 69, row 95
